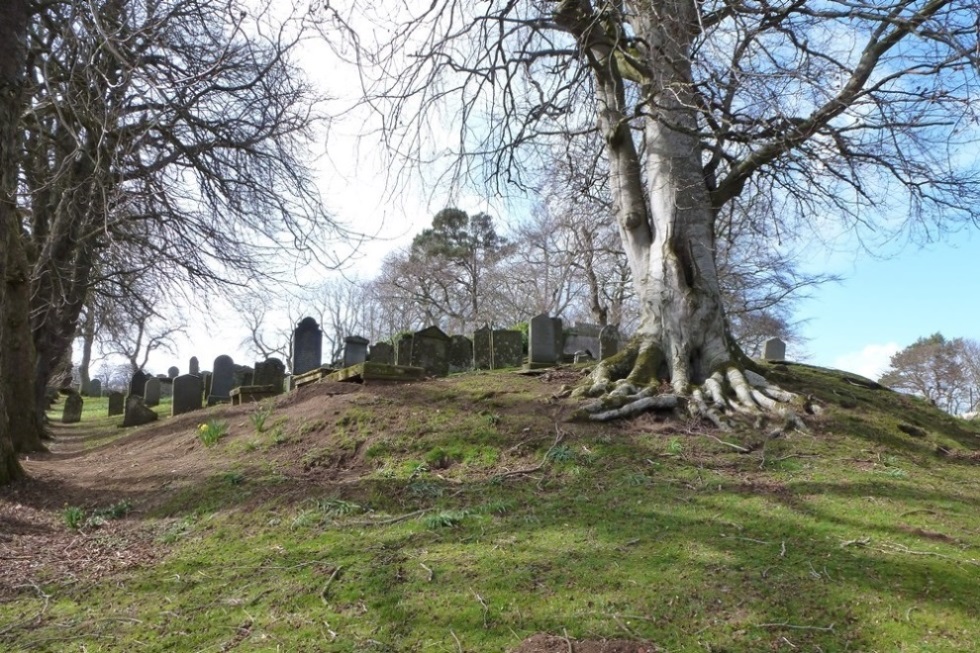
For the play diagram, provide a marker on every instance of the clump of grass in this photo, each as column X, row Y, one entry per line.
column 338, row 507
column 211, row 432
column 561, row 454
column 233, row 478
column 446, row 519
column 675, row 447
column 73, row 517
column 259, row 416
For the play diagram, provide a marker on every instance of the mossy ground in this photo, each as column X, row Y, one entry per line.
column 467, row 514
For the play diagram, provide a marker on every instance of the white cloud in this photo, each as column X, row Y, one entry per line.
column 869, row 362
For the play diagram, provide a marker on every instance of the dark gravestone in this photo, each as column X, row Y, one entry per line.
column 507, row 348
column 403, row 350
column 188, row 390
column 173, row 372
column 73, row 409
column 307, row 346
column 206, row 382
column 460, row 354
column 137, row 412
column 383, row 353
column 269, row 372
column 221, row 379
column 194, row 367
column 242, row 375
column 355, row 350
column 608, row 341
column 117, row 403
column 95, row 388
column 430, row 351
column 482, row 350
column 541, row 341
column 137, row 385
column 151, row 393
column 559, row 338
column 774, row 350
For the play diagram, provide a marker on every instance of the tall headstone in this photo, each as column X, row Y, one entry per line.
column 173, row 372
column 137, row 385
column 507, row 348
column 482, row 354
column 307, row 346
column 460, row 354
column 73, row 409
column 774, row 350
column 221, row 379
column 137, row 412
column 430, row 351
column 608, row 341
column 95, row 388
column 194, row 367
column 206, row 377
column 541, row 341
column 382, row 352
column 117, row 403
column 188, row 390
column 403, row 350
column 151, row 394
column 559, row 338
column 271, row 371
column 355, row 350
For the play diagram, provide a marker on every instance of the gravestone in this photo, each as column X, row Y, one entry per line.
column 95, row 388
column 482, row 350
column 507, row 348
column 117, row 403
column 355, row 350
column 151, row 394
column 541, row 341
column 307, row 346
column 608, row 341
column 430, row 351
column 73, row 409
column 137, row 385
column 242, row 375
column 583, row 337
column 188, row 390
column 194, row 367
column 137, row 412
column 271, row 371
column 774, row 350
column 206, row 382
column 559, row 338
column 460, row 354
column 383, row 353
column 403, row 350
column 287, row 383
column 173, row 372
column 221, row 380
column 582, row 356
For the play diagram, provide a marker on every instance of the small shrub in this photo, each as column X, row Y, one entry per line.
column 73, row 516
column 211, row 432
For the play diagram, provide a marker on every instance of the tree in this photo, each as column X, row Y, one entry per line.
column 843, row 110
column 937, row 369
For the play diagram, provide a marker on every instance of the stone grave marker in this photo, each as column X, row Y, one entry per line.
column 608, row 341
column 151, row 393
column 583, row 337
column 117, row 403
column 194, row 367
column 382, row 352
column 206, row 383
column 460, row 354
column 482, row 350
column 137, row 385
column 430, row 351
column 188, row 390
column 507, row 348
column 403, row 350
column 221, row 379
column 774, row 350
column 73, row 409
column 271, row 371
column 307, row 346
column 559, row 338
column 95, row 388
column 355, row 350
column 541, row 341
column 242, row 375
column 137, row 412
column 173, row 372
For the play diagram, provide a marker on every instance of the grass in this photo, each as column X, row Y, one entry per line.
column 211, row 431
column 852, row 537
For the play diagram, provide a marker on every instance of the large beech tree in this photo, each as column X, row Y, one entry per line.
column 838, row 112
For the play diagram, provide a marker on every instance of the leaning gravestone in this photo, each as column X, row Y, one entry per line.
column 430, row 351
column 73, row 409
column 608, row 341
column 137, row 413
column 403, row 350
column 194, row 367
column 355, row 350
column 541, row 341
column 188, row 390
column 151, row 393
column 307, row 346
column 117, row 403
column 221, row 379
column 271, row 371
column 507, row 348
column 774, row 350
column 460, row 354
column 137, row 385
column 95, row 388
column 383, row 353
column 482, row 350
column 173, row 372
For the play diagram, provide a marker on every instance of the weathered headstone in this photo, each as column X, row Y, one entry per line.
column 482, row 351
column 582, row 356
column 188, row 390
column 559, row 338
column 95, row 388
column 137, row 412
column 582, row 337
column 137, row 385
column 355, row 350
column 271, row 371
column 194, row 367
column 221, row 379
column 460, row 354
column 382, row 352
column 73, row 409
column 206, row 377
column 242, row 375
column 117, row 403
column 608, row 341
column 151, row 393
column 173, row 372
column 430, row 351
column 307, row 346
column 541, row 341
column 403, row 350
column 507, row 348
column 774, row 350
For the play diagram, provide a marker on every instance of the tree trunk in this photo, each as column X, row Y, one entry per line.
column 88, row 341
